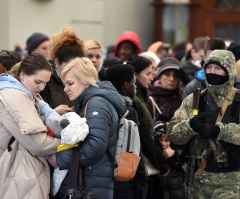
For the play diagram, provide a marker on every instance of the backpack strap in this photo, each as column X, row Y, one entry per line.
column 10, row 143
column 225, row 105
column 111, row 159
column 235, row 110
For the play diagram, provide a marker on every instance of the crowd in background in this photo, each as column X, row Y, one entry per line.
column 151, row 84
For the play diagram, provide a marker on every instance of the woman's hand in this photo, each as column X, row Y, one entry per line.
column 53, row 161
column 37, row 98
column 62, row 109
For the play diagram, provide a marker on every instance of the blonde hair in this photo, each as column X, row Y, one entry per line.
column 83, row 69
column 66, row 38
column 92, row 44
column 237, row 68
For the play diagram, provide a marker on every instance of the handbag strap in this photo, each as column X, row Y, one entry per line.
column 74, row 167
column 155, row 106
column 76, row 172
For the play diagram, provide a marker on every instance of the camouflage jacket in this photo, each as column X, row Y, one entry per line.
column 179, row 130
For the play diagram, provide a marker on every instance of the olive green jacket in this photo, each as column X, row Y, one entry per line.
column 140, row 100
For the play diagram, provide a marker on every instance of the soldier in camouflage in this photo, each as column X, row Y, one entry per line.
column 217, row 143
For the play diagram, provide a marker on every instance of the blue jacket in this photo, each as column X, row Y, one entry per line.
column 102, row 120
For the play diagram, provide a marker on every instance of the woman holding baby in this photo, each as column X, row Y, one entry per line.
column 81, row 85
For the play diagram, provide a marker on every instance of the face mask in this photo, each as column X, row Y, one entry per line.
column 215, row 79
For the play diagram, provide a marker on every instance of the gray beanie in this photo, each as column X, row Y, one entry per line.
column 166, row 64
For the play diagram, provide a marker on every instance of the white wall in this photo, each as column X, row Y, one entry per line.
column 102, row 20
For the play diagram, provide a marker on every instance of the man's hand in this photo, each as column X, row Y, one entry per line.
column 197, row 122
column 62, row 109
column 204, row 124
column 210, row 131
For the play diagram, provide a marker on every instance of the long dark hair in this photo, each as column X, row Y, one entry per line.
column 30, row 65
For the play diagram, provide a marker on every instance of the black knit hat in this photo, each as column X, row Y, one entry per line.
column 139, row 63
column 160, row 126
column 166, row 64
column 216, row 63
column 110, row 61
column 235, row 49
column 35, row 40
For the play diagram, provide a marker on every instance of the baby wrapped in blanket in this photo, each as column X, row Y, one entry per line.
column 72, row 129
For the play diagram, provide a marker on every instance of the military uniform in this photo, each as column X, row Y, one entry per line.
column 221, row 176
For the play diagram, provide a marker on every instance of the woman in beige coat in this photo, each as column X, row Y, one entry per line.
column 24, row 171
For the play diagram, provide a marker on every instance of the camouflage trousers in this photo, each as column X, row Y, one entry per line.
column 210, row 185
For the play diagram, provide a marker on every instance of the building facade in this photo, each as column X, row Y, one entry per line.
column 192, row 18
column 101, row 20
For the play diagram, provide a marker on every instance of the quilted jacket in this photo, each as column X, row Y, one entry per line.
column 102, row 119
column 24, row 172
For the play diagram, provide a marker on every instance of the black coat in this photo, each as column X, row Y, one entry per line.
column 190, row 69
column 172, row 185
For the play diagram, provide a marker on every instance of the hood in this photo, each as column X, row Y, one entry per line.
column 8, row 81
column 106, row 90
column 128, row 36
column 154, row 47
column 227, row 60
column 152, row 55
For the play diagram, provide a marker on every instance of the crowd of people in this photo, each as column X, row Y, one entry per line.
column 63, row 74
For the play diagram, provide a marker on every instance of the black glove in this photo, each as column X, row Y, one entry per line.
column 209, row 131
column 205, row 126
column 197, row 122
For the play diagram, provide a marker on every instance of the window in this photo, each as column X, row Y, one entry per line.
column 227, row 5
column 227, row 31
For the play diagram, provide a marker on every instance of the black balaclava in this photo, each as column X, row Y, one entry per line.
column 215, row 79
